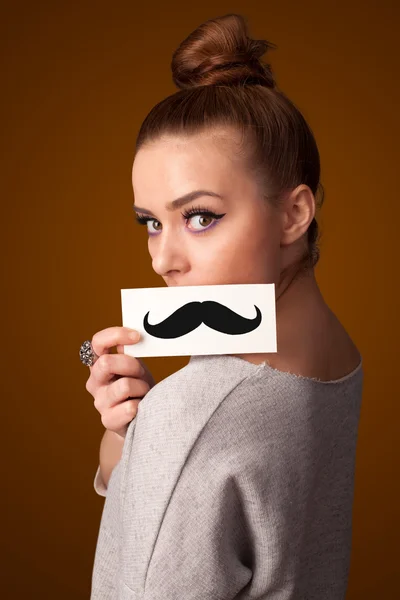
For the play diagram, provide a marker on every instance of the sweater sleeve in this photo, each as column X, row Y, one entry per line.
column 106, row 561
column 237, row 512
column 203, row 549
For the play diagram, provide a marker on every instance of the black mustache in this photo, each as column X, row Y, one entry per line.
column 191, row 315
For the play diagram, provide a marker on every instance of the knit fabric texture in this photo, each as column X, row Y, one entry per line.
column 236, row 481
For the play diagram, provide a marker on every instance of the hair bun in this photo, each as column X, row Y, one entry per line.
column 219, row 52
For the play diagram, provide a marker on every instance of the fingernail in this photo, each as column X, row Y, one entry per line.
column 134, row 335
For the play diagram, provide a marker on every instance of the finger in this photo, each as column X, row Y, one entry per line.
column 108, row 365
column 120, row 350
column 125, row 388
column 118, row 417
column 106, row 339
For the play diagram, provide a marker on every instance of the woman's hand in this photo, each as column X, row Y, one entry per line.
column 117, row 382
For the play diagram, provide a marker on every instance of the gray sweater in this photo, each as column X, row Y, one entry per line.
column 235, row 481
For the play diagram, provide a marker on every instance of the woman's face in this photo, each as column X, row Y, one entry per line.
column 241, row 244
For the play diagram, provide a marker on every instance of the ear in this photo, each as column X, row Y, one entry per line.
column 297, row 213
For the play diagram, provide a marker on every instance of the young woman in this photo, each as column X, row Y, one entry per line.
column 235, row 479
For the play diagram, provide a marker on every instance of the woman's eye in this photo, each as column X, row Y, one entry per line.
column 142, row 220
column 198, row 222
column 152, row 221
column 201, row 220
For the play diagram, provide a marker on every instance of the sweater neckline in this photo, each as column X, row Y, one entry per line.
column 227, row 360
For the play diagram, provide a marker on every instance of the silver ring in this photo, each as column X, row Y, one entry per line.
column 87, row 355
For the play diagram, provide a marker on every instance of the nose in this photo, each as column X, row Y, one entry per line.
column 169, row 253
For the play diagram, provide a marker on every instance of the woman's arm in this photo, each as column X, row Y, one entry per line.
column 110, row 453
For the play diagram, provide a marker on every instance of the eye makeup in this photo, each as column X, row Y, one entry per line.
column 187, row 214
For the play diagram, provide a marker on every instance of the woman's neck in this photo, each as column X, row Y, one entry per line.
column 301, row 313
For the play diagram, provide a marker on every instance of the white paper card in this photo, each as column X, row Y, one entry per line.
column 203, row 319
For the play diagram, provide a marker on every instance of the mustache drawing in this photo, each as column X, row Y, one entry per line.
column 191, row 315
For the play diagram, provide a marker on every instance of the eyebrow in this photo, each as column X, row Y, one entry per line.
column 180, row 201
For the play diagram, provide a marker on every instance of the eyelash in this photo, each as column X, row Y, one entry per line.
column 195, row 210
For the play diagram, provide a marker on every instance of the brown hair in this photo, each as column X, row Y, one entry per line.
column 222, row 82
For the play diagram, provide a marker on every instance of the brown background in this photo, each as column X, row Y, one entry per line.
column 77, row 81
